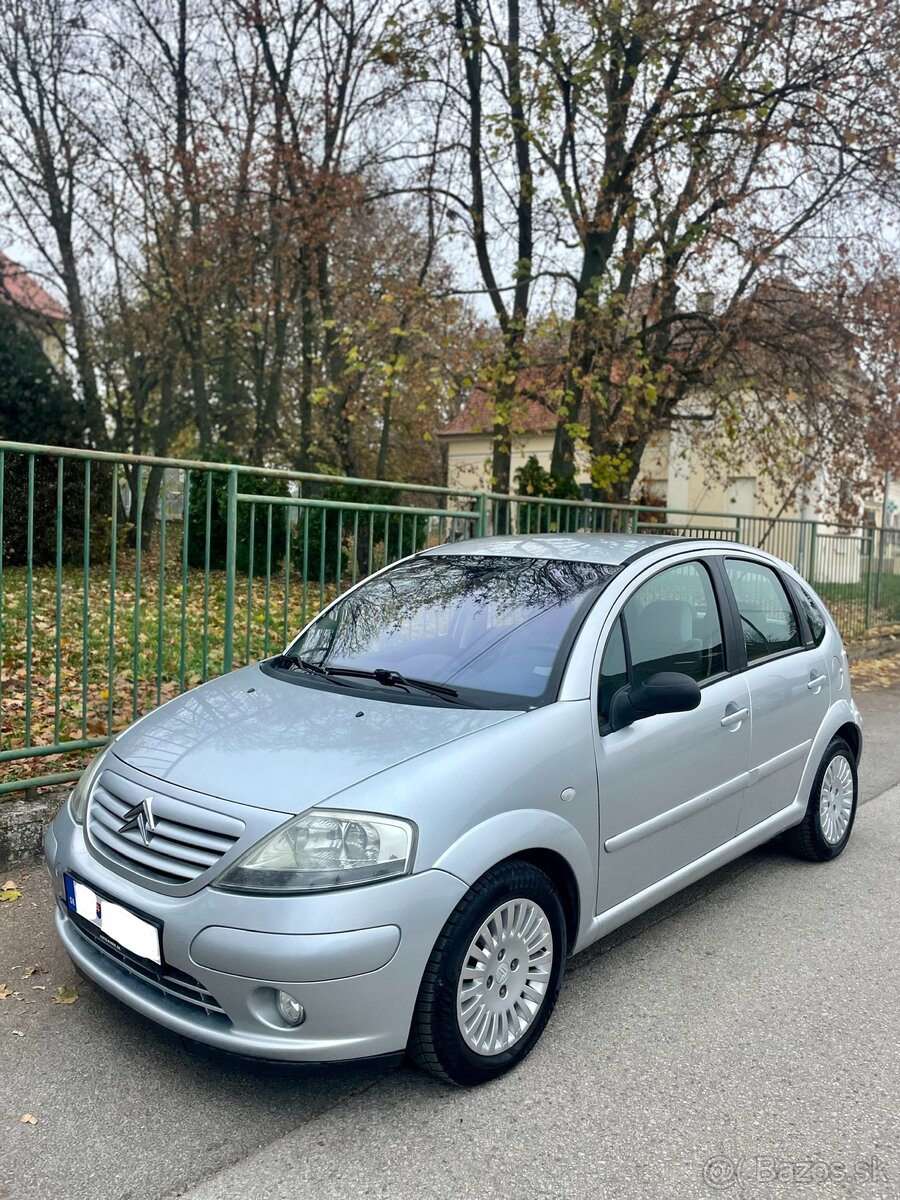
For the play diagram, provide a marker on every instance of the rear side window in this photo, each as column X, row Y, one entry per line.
column 768, row 619
column 813, row 614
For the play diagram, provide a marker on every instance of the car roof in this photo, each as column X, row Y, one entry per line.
column 610, row 549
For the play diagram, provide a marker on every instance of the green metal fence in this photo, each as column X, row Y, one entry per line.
column 125, row 580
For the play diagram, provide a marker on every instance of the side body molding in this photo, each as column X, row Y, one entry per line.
column 697, row 803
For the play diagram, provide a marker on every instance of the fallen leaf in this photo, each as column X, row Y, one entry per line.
column 28, row 1119
column 10, row 894
column 10, row 883
column 65, row 995
column 37, row 969
column 18, row 1033
column 5, row 991
column 39, row 987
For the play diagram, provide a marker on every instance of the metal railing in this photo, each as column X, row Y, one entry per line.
column 125, row 580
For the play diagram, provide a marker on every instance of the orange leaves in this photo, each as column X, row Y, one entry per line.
column 871, row 673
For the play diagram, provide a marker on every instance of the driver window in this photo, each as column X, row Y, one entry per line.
column 671, row 624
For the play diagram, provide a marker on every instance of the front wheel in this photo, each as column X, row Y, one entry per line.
column 492, row 978
column 825, row 829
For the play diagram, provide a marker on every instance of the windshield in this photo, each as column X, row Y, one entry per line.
column 479, row 622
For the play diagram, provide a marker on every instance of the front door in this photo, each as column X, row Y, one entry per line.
column 670, row 785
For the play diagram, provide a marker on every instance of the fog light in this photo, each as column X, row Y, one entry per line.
column 289, row 1009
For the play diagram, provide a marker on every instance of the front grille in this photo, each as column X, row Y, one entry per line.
column 187, row 841
column 180, row 988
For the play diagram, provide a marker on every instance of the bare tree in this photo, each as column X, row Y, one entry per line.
column 698, row 147
column 720, row 140
column 495, row 126
column 649, row 170
column 48, row 155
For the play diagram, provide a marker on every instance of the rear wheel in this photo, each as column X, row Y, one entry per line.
column 493, row 977
column 825, row 829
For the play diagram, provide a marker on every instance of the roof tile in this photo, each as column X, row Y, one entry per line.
column 19, row 289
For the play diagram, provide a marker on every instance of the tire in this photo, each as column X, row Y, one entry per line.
column 825, row 829
column 461, row 988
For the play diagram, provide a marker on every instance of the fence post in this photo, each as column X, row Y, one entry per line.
column 880, row 573
column 230, row 568
column 867, row 611
column 482, row 515
column 811, row 564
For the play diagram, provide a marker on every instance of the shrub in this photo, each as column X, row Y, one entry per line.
column 257, row 485
column 533, row 480
column 400, row 541
column 316, row 523
column 37, row 405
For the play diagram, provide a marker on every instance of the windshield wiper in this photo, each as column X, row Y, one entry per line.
column 388, row 678
column 289, row 662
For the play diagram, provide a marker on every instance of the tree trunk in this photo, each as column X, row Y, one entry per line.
column 501, row 441
column 307, row 326
column 581, row 352
column 385, row 440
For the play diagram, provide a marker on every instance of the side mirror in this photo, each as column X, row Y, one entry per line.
column 664, row 692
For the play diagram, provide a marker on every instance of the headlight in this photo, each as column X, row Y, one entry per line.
column 78, row 800
column 324, row 849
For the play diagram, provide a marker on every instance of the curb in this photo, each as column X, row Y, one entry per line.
column 23, row 821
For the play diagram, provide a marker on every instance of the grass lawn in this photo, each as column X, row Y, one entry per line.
column 91, row 679
column 847, row 603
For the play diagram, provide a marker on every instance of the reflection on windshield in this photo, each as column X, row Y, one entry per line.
column 484, row 622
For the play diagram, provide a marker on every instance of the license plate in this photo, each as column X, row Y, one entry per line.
column 119, row 924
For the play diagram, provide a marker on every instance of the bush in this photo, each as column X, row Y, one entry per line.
column 316, row 521
column 257, row 485
column 15, row 511
column 37, row 405
column 400, row 541
column 533, row 480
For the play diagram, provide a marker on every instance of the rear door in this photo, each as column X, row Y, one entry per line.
column 789, row 686
column 669, row 785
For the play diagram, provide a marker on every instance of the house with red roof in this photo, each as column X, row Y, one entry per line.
column 37, row 310
column 467, row 439
column 673, row 474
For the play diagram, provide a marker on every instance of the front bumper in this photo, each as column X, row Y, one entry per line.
column 353, row 959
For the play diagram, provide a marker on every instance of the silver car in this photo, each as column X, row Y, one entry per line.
column 391, row 837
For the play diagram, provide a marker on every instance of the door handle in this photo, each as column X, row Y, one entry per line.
column 738, row 715
column 815, row 683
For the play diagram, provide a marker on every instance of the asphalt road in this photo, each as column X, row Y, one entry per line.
column 742, row 1039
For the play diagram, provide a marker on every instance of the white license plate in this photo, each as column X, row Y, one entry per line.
column 121, row 926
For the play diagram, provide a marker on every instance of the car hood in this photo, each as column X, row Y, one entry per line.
column 271, row 743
